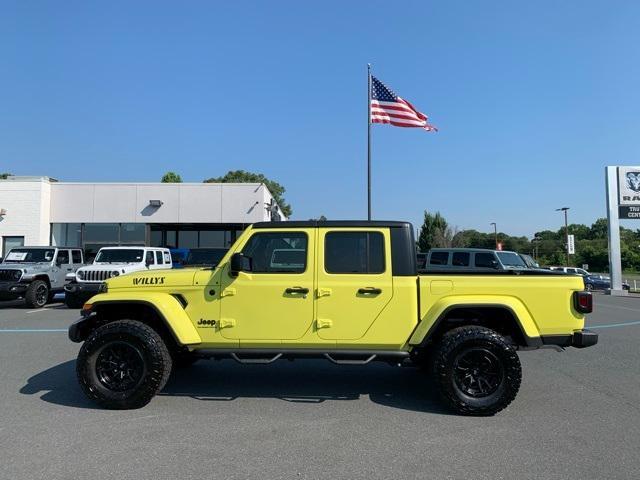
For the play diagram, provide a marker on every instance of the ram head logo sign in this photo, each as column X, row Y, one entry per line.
column 633, row 181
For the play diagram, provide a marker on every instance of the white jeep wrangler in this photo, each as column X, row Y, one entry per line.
column 112, row 262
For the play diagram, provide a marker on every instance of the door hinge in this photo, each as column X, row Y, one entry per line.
column 227, row 292
column 323, row 323
column 227, row 322
column 324, row 292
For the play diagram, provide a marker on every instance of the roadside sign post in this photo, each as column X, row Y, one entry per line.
column 613, row 225
column 571, row 244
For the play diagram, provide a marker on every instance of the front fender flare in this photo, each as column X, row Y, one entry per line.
column 165, row 305
column 439, row 310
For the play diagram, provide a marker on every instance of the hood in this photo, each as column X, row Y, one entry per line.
column 26, row 267
column 154, row 279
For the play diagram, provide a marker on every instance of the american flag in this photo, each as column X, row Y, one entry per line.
column 387, row 107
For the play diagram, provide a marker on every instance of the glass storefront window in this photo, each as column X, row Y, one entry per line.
column 102, row 232
column 156, row 238
column 66, row 234
column 187, row 239
column 172, row 239
column 212, row 238
column 132, row 233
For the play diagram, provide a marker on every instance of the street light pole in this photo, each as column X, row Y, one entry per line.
column 566, row 229
column 495, row 233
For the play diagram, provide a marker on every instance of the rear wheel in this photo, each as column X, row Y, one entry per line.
column 37, row 294
column 478, row 371
column 123, row 365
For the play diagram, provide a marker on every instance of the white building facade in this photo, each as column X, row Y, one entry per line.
column 42, row 211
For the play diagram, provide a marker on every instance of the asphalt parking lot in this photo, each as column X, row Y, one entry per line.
column 577, row 415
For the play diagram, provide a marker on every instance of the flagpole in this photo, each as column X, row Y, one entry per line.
column 368, row 141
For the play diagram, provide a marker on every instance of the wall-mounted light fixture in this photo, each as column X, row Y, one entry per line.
column 3, row 212
column 156, row 203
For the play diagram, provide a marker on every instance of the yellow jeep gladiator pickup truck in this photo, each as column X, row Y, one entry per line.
column 346, row 291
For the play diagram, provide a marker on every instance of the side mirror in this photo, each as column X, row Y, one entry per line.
column 495, row 264
column 148, row 262
column 239, row 263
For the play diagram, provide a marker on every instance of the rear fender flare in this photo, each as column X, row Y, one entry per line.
column 439, row 310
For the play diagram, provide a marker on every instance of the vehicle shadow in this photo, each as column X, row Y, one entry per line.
column 302, row 381
column 58, row 385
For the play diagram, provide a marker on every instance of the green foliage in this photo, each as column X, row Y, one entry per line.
column 241, row 176
column 432, row 232
column 3, row 176
column 171, row 177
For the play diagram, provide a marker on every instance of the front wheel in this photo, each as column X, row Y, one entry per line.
column 37, row 294
column 478, row 371
column 123, row 365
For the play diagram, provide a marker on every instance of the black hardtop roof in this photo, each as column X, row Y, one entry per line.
column 333, row 223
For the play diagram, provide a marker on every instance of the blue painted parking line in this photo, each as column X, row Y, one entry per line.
column 614, row 325
column 32, row 330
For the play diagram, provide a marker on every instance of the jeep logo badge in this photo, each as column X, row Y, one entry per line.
column 206, row 323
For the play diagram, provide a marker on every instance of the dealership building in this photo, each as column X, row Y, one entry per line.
column 43, row 211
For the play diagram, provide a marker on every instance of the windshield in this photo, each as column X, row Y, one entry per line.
column 529, row 261
column 510, row 259
column 29, row 255
column 205, row 256
column 119, row 256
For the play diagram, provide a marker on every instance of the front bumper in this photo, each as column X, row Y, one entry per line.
column 579, row 339
column 12, row 289
column 80, row 288
column 79, row 330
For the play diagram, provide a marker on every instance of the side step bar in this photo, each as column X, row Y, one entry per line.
column 339, row 357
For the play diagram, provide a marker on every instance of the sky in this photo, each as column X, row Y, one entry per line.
column 532, row 100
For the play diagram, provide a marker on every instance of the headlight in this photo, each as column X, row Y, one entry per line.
column 17, row 274
column 115, row 273
column 80, row 275
column 104, row 288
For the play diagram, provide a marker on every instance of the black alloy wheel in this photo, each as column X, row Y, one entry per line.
column 477, row 372
column 477, row 369
column 119, row 366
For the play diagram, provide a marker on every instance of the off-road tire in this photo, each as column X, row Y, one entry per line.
column 492, row 349
column 37, row 294
column 71, row 300
column 150, row 351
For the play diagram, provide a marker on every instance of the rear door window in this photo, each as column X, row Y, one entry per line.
column 354, row 252
column 76, row 256
column 159, row 257
column 460, row 259
column 439, row 258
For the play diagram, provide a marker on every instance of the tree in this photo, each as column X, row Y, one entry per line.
column 3, row 176
column 432, row 227
column 241, row 176
column 171, row 177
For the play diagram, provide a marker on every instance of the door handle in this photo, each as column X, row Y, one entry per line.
column 302, row 290
column 324, row 292
column 369, row 291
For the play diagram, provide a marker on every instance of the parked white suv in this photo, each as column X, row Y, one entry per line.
column 573, row 270
column 112, row 262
